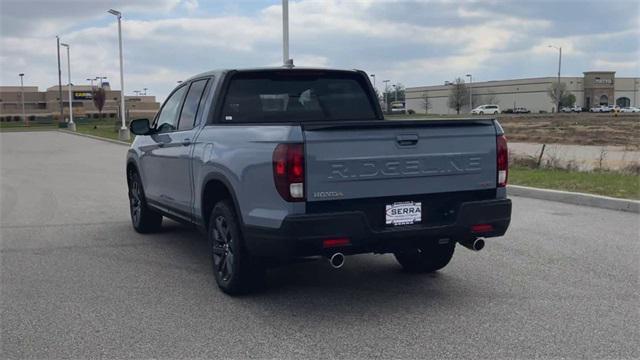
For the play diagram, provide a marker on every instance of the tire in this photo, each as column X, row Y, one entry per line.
column 426, row 258
column 495, row 113
column 481, row 112
column 144, row 219
column 235, row 270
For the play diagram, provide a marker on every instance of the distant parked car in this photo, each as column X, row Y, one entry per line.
column 486, row 109
column 630, row 109
column 521, row 110
column 565, row 109
column 614, row 108
column 507, row 111
column 576, row 108
column 600, row 109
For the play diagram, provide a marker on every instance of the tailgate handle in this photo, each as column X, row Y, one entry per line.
column 407, row 140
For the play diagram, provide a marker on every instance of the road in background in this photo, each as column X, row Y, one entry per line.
column 77, row 281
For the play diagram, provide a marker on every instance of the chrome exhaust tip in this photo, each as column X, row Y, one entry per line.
column 336, row 260
column 472, row 244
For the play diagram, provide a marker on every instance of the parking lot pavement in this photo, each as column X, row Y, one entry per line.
column 78, row 282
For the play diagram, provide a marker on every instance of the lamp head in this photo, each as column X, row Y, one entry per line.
column 65, row 45
column 115, row 12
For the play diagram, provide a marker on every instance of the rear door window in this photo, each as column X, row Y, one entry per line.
column 297, row 95
column 191, row 105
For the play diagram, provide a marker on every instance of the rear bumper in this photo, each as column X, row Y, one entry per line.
column 303, row 235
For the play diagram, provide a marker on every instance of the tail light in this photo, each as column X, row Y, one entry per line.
column 288, row 171
column 503, row 160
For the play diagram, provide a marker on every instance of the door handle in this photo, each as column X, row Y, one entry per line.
column 407, row 140
column 186, row 142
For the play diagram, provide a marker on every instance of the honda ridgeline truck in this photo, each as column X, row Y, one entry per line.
column 284, row 163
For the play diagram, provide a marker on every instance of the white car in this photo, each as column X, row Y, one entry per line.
column 630, row 109
column 601, row 108
column 565, row 109
column 614, row 108
column 486, row 109
column 576, row 108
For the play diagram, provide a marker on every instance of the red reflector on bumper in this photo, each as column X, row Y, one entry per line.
column 482, row 228
column 329, row 243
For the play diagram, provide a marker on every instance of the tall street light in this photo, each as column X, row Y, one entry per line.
column 286, row 61
column 559, row 48
column 24, row 116
column 71, row 126
column 470, row 91
column 374, row 80
column 60, row 81
column 123, row 133
column 91, row 81
column 145, row 91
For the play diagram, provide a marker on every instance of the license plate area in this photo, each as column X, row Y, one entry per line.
column 403, row 213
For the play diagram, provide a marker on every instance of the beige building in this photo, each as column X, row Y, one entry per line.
column 45, row 105
column 592, row 89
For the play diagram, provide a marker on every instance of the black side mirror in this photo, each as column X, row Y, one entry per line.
column 140, row 127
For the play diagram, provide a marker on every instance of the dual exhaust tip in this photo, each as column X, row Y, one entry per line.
column 337, row 259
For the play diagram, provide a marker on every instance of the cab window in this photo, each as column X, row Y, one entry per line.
column 168, row 118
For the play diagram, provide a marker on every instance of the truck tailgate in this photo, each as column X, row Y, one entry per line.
column 359, row 160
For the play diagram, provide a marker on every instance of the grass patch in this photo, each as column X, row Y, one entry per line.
column 606, row 183
column 105, row 129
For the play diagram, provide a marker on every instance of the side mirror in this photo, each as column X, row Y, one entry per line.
column 140, row 127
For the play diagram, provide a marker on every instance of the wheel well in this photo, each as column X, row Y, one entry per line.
column 131, row 167
column 214, row 191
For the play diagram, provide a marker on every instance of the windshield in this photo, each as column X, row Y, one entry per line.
column 284, row 96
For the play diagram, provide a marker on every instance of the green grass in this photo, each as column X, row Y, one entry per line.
column 606, row 183
column 105, row 129
column 19, row 126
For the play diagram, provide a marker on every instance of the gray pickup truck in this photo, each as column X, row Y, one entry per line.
column 287, row 163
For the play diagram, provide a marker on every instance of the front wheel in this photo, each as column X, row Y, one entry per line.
column 143, row 218
column 235, row 270
column 481, row 112
column 426, row 258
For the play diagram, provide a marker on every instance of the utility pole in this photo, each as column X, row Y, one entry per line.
column 60, row 82
column 123, row 133
column 386, row 90
column 286, row 60
column 470, row 91
column 71, row 126
column 559, row 48
column 145, row 91
column 24, row 115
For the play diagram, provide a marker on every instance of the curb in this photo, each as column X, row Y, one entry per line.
column 119, row 142
column 598, row 201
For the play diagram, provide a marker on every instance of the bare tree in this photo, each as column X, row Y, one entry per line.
column 426, row 104
column 99, row 97
column 459, row 96
column 557, row 92
column 490, row 99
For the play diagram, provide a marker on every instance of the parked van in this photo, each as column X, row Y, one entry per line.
column 486, row 109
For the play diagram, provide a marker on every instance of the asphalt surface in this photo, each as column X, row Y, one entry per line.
column 78, row 282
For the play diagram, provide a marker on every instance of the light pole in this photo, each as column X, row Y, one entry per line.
column 24, row 115
column 374, row 80
column 60, row 81
column 91, row 81
column 123, row 133
column 286, row 61
column 470, row 91
column 145, row 91
column 514, row 98
column 386, row 90
column 559, row 48
column 100, row 78
column 71, row 126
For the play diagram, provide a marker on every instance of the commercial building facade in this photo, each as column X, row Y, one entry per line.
column 592, row 89
column 40, row 105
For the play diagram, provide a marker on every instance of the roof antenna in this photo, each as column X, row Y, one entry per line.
column 286, row 61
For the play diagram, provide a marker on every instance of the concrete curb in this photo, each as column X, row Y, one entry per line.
column 598, row 201
column 119, row 142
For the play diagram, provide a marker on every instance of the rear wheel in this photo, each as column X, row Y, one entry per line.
column 143, row 218
column 235, row 270
column 426, row 258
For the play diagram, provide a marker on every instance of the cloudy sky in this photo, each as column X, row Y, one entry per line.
column 408, row 41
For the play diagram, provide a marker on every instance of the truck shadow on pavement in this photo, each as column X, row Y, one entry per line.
column 373, row 279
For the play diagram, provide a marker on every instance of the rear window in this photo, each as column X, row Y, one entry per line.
column 297, row 95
